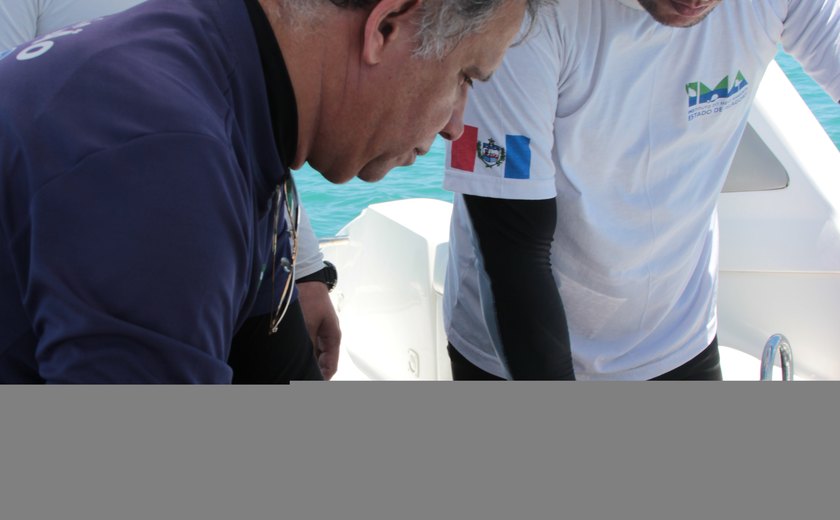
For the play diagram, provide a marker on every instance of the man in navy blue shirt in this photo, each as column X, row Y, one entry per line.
column 144, row 161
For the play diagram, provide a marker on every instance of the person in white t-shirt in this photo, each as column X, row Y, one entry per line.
column 25, row 20
column 584, row 234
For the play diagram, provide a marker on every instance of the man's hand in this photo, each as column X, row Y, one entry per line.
column 322, row 324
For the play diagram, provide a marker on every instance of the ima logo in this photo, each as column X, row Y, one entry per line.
column 703, row 100
column 699, row 93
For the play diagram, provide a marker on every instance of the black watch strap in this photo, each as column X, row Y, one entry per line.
column 328, row 276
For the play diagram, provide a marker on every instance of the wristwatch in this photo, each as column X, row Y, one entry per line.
column 328, row 276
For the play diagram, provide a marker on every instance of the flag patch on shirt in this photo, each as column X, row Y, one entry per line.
column 514, row 158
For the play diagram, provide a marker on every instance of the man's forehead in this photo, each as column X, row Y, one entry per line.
column 485, row 45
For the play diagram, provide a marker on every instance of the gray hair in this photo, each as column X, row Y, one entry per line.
column 443, row 24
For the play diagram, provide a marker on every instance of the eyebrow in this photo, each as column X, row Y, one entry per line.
column 475, row 72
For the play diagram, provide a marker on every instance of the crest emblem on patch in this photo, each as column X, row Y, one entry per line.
column 490, row 153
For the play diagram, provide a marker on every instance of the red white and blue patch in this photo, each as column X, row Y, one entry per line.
column 514, row 158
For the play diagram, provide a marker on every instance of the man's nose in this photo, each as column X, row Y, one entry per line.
column 455, row 127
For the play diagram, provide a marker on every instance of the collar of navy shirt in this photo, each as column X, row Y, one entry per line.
column 281, row 99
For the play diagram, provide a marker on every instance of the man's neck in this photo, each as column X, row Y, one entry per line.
column 303, row 52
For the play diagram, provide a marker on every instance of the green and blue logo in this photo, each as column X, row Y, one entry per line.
column 704, row 100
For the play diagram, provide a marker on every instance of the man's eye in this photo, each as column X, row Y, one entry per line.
column 468, row 80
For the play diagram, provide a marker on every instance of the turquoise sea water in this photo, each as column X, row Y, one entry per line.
column 331, row 206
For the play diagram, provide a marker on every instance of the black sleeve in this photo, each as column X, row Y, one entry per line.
column 526, row 313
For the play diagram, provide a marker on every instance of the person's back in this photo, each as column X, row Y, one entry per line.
column 81, row 180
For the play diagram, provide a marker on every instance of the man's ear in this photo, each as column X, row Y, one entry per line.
column 388, row 21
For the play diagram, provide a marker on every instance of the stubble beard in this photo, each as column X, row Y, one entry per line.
column 653, row 8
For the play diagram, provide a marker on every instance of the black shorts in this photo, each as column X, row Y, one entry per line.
column 704, row 367
column 287, row 355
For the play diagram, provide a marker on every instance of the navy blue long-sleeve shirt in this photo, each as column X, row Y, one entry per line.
column 137, row 164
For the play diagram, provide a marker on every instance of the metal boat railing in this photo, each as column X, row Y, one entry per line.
column 777, row 343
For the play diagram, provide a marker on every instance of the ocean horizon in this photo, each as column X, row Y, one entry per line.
column 331, row 206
